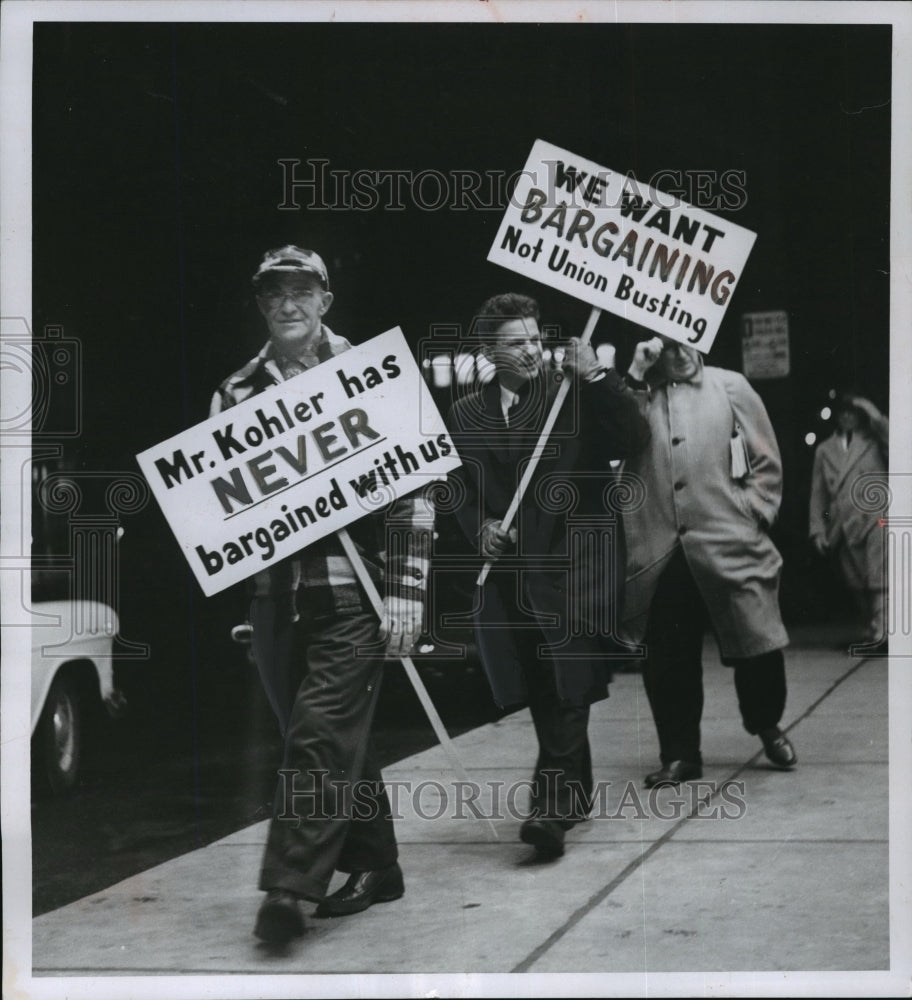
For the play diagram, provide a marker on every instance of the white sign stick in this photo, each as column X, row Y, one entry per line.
column 437, row 725
column 540, row 445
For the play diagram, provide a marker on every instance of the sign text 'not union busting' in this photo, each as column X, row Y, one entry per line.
column 601, row 236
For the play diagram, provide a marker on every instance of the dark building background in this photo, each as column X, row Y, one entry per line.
column 157, row 185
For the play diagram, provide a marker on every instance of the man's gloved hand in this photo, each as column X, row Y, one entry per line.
column 494, row 540
column 400, row 625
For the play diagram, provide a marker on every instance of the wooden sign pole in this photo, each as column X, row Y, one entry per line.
column 437, row 725
column 540, row 445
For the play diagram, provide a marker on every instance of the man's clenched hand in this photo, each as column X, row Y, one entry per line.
column 400, row 625
column 494, row 540
column 645, row 355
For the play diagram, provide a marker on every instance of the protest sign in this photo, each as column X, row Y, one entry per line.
column 251, row 486
column 601, row 236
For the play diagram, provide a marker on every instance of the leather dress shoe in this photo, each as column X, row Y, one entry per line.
column 545, row 835
column 778, row 748
column 674, row 773
column 280, row 918
column 362, row 890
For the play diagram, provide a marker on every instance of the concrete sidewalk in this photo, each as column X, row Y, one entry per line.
column 796, row 879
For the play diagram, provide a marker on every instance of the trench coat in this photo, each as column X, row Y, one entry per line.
column 566, row 576
column 852, row 533
column 692, row 499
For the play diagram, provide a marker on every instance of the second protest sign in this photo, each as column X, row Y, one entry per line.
column 625, row 247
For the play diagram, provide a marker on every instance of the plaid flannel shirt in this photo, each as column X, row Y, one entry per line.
column 394, row 543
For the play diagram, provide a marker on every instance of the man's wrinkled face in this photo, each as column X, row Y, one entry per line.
column 516, row 350
column 293, row 306
column 679, row 362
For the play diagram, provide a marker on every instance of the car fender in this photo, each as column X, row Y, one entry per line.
column 66, row 631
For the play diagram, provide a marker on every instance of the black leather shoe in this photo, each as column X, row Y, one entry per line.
column 280, row 918
column 778, row 748
column 362, row 890
column 674, row 773
column 545, row 835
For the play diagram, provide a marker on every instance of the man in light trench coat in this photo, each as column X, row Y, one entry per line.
column 839, row 527
column 698, row 550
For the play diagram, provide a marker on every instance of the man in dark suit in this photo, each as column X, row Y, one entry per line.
column 548, row 612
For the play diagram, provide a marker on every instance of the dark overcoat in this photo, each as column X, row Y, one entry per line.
column 566, row 575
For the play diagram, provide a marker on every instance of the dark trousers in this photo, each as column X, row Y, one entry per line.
column 331, row 809
column 673, row 671
column 563, row 770
column 562, row 780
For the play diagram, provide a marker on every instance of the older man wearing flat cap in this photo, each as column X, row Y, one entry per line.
column 319, row 647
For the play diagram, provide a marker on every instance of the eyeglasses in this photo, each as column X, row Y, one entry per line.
column 274, row 297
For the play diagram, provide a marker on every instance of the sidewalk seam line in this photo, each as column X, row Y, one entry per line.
column 599, row 897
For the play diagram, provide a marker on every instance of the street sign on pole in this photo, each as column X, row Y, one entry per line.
column 765, row 344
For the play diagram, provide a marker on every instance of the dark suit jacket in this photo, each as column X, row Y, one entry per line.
column 567, row 574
